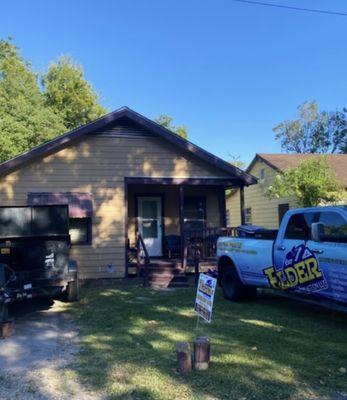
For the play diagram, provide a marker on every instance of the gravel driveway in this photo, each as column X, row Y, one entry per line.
column 37, row 362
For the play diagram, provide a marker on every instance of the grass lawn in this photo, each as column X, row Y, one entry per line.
column 272, row 348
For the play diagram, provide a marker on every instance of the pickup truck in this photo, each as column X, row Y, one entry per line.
column 307, row 256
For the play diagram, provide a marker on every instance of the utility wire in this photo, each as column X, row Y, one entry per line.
column 313, row 10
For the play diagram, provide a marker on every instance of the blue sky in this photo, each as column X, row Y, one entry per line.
column 228, row 71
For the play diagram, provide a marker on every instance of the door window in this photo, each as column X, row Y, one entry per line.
column 299, row 226
column 149, row 209
column 335, row 226
column 149, row 214
column 150, row 219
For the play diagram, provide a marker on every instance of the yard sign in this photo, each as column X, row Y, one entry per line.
column 204, row 296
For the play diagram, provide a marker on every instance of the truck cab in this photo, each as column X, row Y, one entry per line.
column 308, row 256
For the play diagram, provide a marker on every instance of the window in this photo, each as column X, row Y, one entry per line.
column 335, row 227
column 80, row 230
column 262, row 174
column 248, row 216
column 299, row 226
column 194, row 213
column 227, row 217
column 282, row 209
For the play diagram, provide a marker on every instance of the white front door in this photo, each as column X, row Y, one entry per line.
column 150, row 224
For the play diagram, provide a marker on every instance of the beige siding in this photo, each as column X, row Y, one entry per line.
column 98, row 165
column 264, row 210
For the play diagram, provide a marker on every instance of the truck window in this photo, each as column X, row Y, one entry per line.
column 282, row 209
column 335, row 226
column 299, row 226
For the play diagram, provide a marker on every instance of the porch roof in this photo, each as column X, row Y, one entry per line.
column 208, row 181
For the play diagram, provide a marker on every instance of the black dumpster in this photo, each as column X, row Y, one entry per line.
column 34, row 253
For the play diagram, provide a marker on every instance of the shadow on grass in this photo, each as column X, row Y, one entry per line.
column 273, row 348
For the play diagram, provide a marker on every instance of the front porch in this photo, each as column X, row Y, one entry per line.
column 175, row 219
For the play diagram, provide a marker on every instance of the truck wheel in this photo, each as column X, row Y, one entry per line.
column 233, row 288
column 3, row 312
column 72, row 291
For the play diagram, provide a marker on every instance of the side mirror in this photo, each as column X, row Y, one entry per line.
column 317, row 229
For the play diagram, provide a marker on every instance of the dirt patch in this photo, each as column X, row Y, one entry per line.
column 37, row 362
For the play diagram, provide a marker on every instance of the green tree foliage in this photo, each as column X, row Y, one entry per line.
column 166, row 121
column 25, row 121
column 70, row 95
column 237, row 162
column 314, row 131
column 312, row 182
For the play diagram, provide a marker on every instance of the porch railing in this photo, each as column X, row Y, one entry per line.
column 203, row 242
column 197, row 245
column 142, row 254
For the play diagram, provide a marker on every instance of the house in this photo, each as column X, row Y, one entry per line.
column 258, row 208
column 121, row 174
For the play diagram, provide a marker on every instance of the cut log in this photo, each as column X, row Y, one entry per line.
column 6, row 329
column 184, row 357
column 201, row 353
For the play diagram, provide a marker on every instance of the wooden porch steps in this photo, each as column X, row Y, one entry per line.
column 164, row 273
column 204, row 266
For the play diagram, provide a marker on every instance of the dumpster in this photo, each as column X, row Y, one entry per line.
column 34, row 253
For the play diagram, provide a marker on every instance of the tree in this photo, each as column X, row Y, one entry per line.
column 312, row 182
column 314, row 131
column 166, row 121
column 31, row 114
column 70, row 95
column 25, row 121
column 237, row 162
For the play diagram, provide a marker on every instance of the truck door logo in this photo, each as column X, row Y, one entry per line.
column 300, row 271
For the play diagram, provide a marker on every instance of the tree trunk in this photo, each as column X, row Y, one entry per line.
column 184, row 357
column 201, row 353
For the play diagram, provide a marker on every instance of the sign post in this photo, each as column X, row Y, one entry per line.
column 204, row 297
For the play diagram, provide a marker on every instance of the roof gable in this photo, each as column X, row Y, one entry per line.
column 109, row 119
column 279, row 162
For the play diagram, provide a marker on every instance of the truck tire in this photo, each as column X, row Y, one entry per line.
column 72, row 291
column 233, row 288
column 3, row 312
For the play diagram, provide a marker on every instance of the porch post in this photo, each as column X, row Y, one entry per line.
column 242, row 205
column 182, row 233
column 126, row 228
column 222, row 208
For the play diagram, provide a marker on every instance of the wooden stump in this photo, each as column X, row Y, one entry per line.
column 184, row 357
column 6, row 329
column 201, row 353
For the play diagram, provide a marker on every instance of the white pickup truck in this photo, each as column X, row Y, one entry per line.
column 307, row 256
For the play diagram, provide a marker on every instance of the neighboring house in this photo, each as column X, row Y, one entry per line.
column 258, row 208
column 120, row 174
